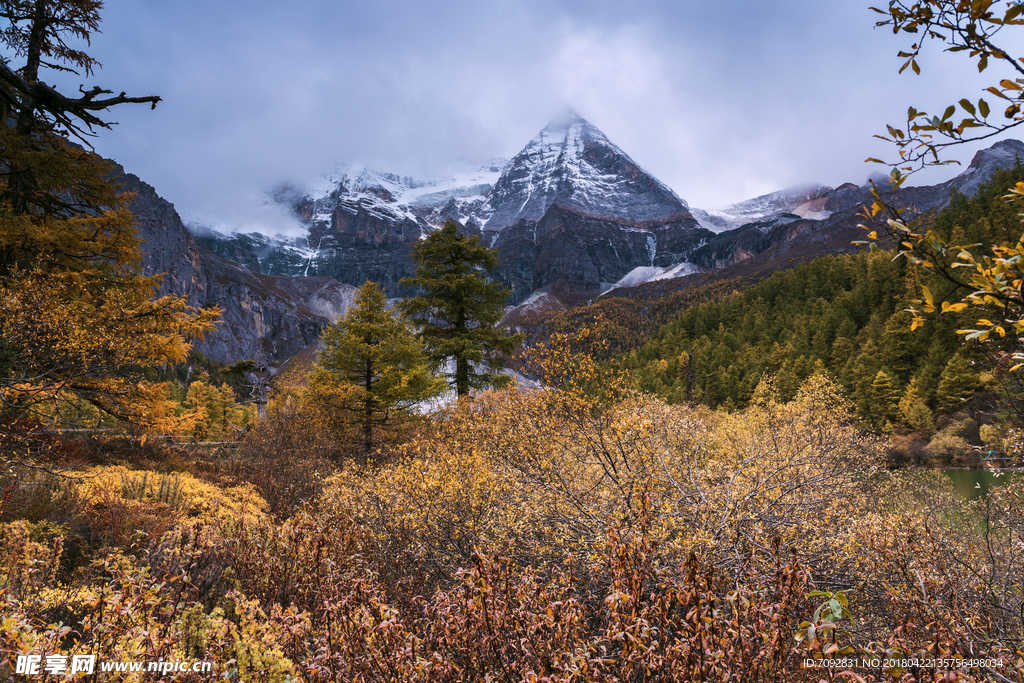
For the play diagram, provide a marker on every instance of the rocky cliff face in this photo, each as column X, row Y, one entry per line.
column 264, row 317
column 585, row 255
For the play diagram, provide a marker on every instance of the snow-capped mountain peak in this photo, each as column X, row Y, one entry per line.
column 570, row 162
column 805, row 201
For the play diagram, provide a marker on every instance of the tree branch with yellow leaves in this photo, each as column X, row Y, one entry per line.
column 985, row 278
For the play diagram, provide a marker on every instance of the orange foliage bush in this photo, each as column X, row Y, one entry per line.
column 550, row 535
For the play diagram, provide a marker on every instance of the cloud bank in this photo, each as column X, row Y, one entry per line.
column 722, row 101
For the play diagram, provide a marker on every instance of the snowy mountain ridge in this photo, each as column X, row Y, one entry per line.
column 430, row 202
column 805, row 201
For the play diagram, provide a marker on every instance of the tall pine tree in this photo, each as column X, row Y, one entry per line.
column 458, row 308
column 373, row 349
column 956, row 385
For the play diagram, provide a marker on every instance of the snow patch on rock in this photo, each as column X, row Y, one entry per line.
column 642, row 274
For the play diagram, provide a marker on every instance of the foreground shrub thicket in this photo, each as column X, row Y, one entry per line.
column 540, row 474
column 541, row 535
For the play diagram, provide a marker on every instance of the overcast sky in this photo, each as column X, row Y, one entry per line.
column 722, row 101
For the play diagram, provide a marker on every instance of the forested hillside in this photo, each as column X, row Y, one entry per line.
column 843, row 315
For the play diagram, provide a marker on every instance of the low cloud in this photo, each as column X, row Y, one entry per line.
column 721, row 103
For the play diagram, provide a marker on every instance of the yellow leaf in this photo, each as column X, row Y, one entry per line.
column 993, row 300
column 873, row 235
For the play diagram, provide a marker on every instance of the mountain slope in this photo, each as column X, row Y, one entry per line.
column 264, row 317
column 768, row 241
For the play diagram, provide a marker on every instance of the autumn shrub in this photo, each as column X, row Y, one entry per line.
column 38, row 496
column 289, row 452
column 650, row 619
column 310, row 603
column 149, row 584
column 131, row 447
column 952, row 444
column 307, row 434
column 947, row 448
column 436, row 505
column 536, row 474
column 939, row 574
column 182, row 492
column 790, row 470
column 103, row 508
column 539, row 535
column 119, row 610
column 907, row 450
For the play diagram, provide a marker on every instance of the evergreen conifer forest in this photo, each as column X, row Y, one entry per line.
column 741, row 480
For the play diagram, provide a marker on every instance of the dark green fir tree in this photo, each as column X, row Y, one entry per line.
column 458, row 308
column 956, row 385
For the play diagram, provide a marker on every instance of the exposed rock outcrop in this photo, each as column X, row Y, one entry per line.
column 264, row 316
column 589, row 253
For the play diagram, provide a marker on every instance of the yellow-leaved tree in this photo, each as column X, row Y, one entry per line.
column 78, row 321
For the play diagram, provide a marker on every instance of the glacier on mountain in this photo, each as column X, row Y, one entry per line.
column 805, row 201
column 642, row 274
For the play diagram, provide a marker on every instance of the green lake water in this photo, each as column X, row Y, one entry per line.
column 972, row 484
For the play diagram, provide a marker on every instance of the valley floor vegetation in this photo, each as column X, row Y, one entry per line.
column 583, row 532
column 723, row 502
column 719, row 501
